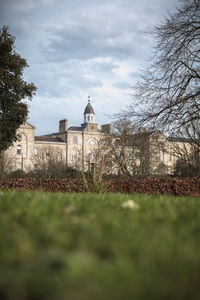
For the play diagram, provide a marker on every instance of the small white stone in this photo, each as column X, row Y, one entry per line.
column 130, row 204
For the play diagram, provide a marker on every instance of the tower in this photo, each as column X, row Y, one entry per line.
column 89, row 115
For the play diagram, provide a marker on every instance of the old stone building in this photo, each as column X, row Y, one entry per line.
column 69, row 144
column 145, row 152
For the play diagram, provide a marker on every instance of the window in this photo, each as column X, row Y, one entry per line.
column 90, row 154
column 91, row 118
column 19, row 166
column 88, row 118
column 130, row 155
column 35, row 167
column 108, row 169
column 74, row 153
column 92, row 166
column 170, row 152
column 47, row 153
column 59, row 153
column 36, row 151
column 157, row 154
column 74, row 139
column 117, row 142
column 170, row 156
column 170, row 170
column 19, row 149
column 19, row 137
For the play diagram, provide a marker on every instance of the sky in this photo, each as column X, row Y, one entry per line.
column 76, row 48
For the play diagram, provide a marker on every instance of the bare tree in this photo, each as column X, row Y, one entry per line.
column 186, row 148
column 168, row 94
column 7, row 164
column 94, row 165
column 136, row 152
column 125, row 150
column 48, row 162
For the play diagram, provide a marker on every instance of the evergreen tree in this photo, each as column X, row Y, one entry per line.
column 13, row 90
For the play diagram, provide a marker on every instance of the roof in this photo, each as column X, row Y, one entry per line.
column 26, row 124
column 89, row 109
column 75, row 128
column 45, row 138
column 178, row 139
column 135, row 138
column 30, row 125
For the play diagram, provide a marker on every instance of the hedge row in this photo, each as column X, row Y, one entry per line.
column 170, row 186
column 48, row 185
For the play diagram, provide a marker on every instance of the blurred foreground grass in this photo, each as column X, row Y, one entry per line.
column 90, row 247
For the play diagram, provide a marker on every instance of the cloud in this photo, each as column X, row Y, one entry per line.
column 107, row 32
column 80, row 47
column 122, row 85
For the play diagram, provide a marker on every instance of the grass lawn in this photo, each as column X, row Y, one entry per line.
column 90, row 247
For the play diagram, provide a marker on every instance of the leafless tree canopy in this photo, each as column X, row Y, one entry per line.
column 7, row 164
column 168, row 94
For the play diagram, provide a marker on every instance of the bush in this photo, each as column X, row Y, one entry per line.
column 170, row 186
column 54, row 173
column 17, row 174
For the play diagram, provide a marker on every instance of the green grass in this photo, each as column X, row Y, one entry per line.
column 87, row 247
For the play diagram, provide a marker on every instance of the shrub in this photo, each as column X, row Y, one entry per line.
column 17, row 174
column 170, row 186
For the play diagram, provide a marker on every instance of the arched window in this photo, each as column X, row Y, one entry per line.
column 92, row 142
column 19, row 166
column 90, row 154
column 60, row 153
column 75, row 140
column 19, row 149
column 47, row 153
column 19, row 137
column 74, row 153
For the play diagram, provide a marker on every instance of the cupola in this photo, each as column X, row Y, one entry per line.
column 89, row 115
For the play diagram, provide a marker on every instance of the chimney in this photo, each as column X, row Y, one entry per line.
column 63, row 125
column 107, row 128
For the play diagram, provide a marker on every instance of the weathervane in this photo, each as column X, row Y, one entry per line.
column 88, row 99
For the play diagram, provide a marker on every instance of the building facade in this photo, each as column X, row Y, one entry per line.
column 70, row 144
column 145, row 153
